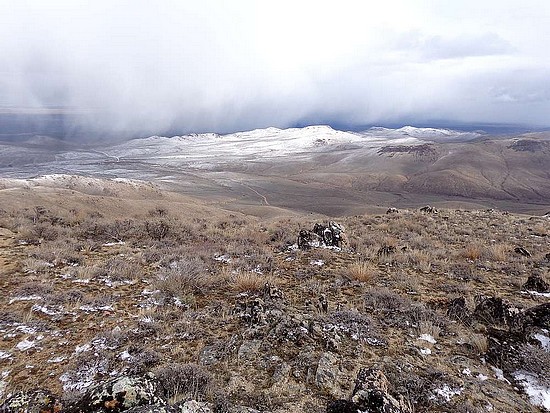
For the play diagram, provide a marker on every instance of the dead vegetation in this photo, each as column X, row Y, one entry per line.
column 227, row 310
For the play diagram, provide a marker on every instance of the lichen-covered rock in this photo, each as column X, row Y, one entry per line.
column 189, row 406
column 120, row 394
column 536, row 283
column 38, row 401
column 371, row 395
column 493, row 310
column 533, row 318
column 327, row 371
column 323, row 235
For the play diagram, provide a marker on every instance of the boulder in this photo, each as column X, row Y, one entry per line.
column 37, row 401
column 371, row 394
column 493, row 310
column 536, row 283
column 120, row 394
column 327, row 371
column 322, row 235
column 533, row 318
column 429, row 209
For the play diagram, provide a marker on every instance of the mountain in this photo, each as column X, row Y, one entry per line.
column 317, row 168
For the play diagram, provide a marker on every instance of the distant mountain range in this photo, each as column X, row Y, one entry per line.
column 316, row 167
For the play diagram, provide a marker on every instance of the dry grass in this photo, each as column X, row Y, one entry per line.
column 479, row 343
column 472, row 252
column 362, row 271
column 179, row 254
column 248, row 281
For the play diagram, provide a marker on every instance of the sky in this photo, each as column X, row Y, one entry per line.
column 214, row 65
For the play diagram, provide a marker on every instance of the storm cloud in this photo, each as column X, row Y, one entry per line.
column 222, row 66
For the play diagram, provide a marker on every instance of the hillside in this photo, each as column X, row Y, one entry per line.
column 315, row 169
column 117, row 294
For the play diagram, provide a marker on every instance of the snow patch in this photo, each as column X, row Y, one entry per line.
column 26, row 298
column 58, row 359
column 544, row 340
column 25, row 345
column 539, row 395
column 427, row 337
column 537, row 294
column 447, row 392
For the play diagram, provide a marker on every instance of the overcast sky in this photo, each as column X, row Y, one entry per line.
column 211, row 65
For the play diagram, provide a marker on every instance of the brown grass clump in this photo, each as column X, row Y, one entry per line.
column 185, row 276
column 472, row 252
column 361, row 271
column 248, row 281
column 479, row 343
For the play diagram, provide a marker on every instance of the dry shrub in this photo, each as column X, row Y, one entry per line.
column 472, row 252
column 428, row 327
column 421, row 260
column 120, row 269
column 185, row 276
column 35, row 266
column 184, row 381
column 248, row 281
column 361, row 271
column 497, row 252
column 479, row 343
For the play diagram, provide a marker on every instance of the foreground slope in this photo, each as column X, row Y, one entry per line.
column 136, row 280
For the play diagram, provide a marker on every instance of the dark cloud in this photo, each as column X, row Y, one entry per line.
column 222, row 66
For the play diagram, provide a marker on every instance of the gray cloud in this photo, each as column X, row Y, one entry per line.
column 222, row 66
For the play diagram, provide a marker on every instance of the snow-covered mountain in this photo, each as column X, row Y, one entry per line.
column 271, row 143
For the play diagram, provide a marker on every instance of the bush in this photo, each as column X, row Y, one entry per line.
column 184, row 381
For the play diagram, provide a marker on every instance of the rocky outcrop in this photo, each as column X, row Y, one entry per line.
column 120, row 394
column 322, row 235
column 494, row 311
column 536, row 283
column 37, row 401
column 429, row 209
column 371, row 394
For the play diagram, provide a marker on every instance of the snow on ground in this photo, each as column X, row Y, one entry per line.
column 539, row 395
column 544, row 339
column 446, row 392
column 427, row 337
column 208, row 149
column 3, row 382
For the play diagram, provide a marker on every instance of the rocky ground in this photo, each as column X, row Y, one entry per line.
column 178, row 310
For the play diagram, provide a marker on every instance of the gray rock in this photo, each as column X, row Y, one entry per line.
column 120, row 394
column 371, row 395
column 38, row 401
column 327, row 371
column 536, row 283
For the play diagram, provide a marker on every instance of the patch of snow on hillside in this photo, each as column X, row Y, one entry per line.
column 539, row 395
